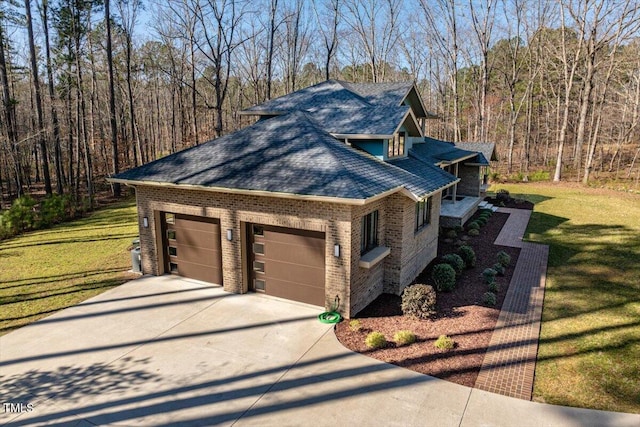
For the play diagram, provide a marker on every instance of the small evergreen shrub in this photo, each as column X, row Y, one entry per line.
column 473, row 226
column 21, row 216
column 493, row 287
column 487, row 212
column 468, row 255
column 444, row 343
column 473, row 232
column 481, row 222
column 499, row 268
column 504, row 258
column 489, row 275
column 503, row 195
column 419, row 301
column 451, row 234
column 53, row 210
column 458, row 229
column 355, row 325
column 454, row 261
column 489, row 298
column 375, row 340
column 404, row 337
column 444, row 276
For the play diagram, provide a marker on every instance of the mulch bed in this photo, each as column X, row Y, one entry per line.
column 460, row 315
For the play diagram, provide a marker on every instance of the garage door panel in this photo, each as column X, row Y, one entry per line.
column 309, row 239
column 295, row 254
column 198, row 254
column 295, row 291
column 198, row 271
column 193, row 246
column 296, row 273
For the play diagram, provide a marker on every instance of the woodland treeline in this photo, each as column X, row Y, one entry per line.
column 90, row 88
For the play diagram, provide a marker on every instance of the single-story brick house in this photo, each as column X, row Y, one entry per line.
column 333, row 195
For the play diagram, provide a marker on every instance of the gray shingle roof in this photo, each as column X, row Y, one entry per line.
column 488, row 149
column 380, row 93
column 435, row 151
column 286, row 154
column 364, row 121
column 328, row 94
column 437, row 177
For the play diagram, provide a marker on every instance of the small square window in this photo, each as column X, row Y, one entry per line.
column 171, row 234
column 258, row 230
column 173, row 267
column 259, row 285
column 258, row 248
column 170, row 218
column 258, row 266
column 173, row 251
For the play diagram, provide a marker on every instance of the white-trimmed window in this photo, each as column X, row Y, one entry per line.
column 423, row 213
column 396, row 145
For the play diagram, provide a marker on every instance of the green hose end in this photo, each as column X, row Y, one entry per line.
column 330, row 317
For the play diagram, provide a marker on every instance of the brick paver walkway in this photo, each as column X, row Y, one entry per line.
column 509, row 364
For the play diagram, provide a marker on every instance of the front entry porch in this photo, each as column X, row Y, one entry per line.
column 457, row 212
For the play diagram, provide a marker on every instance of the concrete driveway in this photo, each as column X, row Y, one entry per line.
column 168, row 351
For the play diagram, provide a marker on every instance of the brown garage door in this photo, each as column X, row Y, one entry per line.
column 192, row 247
column 288, row 263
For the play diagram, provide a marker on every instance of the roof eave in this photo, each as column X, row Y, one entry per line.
column 264, row 193
column 360, row 136
column 261, row 113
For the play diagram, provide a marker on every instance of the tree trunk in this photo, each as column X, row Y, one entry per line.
column 115, row 167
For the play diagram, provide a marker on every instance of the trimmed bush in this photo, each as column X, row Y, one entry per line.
column 451, row 234
column 489, row 298
column 355, row 325
column 375, row 340
column 503, row 195
column 473, row 233
column 504, row 258
column 455, row 261
column 444, row 343
column 473, row 226
column 419, row 301
column 468, row 256
column 489, row 275
column 487, row 212
column 481, row 222
column 404, row 337
column 493, row 287
column 499, row 268
column 444, row 277
column 458, row 229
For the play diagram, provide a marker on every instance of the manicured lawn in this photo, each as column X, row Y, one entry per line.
column 589, row 353
column 44, row 271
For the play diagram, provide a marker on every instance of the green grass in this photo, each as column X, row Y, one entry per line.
column 45, row 271
column 589, row 354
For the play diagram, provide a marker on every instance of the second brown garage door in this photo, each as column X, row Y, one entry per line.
column 288, row 263
column 193, row 247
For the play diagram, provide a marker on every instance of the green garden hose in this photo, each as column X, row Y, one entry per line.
column 332, row 316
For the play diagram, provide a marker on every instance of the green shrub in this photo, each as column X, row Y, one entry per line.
column 503, row 195
column 487, row 212
column 444, row 343
column 499, row 268
column 474, row 233
column 53, row 209
column 468, row 255
column 493, row 287
column 375, row 339
column 451, row 234
column 355, row 325
column 454, row 261
column 481, row 221
column 21, row 216
column 458, row 229
column 489, row 298
column 444, row 276
column 489, row 275
column 504, row 258
column 404, row 337
column 539, row 176
column 419, row 301
column 473, row 226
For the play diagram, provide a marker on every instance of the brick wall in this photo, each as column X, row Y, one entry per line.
column 233, row 210
column 355, row 286
column 469, row 184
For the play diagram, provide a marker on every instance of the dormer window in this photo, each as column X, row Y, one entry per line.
column 396, row 145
